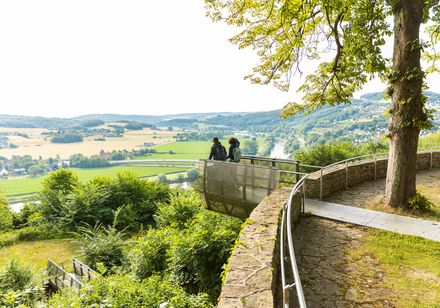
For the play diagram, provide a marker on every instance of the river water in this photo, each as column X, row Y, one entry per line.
column 278, row 151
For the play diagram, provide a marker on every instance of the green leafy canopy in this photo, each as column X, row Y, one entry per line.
column 286, row 32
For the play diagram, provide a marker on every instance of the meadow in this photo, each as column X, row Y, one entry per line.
column 27, row 185
column 36, row 253
column 38, row 145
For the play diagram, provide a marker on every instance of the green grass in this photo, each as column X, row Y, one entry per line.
column 411, row 266
column 26, row 185
column 36, row 253
column 182, row 150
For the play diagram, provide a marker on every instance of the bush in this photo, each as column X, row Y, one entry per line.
column 30, row 233
column 6, row 215
column 100, row 244
column 420, row 203
column 192, row 175
column 56, row 187
column 197, row 255
column 16, row 277
column 100, row 198
column 123, row 291
column 149, row 254
column 162, row 178
column 30, row 297
column 28, row 214
column 179, row 211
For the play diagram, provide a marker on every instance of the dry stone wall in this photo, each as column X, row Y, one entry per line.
column 251, row 279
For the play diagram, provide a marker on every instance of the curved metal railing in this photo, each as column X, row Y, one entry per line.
column 375, row 156
column 286, row 229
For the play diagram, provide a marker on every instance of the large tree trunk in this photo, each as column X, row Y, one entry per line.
column 407, row 103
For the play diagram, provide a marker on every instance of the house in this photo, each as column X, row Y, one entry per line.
column 19, row 171
column 52, row 166
column 4, row 172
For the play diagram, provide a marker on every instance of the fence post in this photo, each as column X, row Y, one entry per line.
column 297, row 170
column 320, row 186
column 375, row 167
column 346, row 174
column 430, row 163
column 304, row 198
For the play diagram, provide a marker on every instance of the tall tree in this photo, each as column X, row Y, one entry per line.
column 353, row 32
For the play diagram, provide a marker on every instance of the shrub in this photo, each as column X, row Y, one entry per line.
column 15, row 277
column 30, row 297
column 29, row 214
column 179, row 211
column 192, row 175
column 6, row 216
column 122, row 291
column 150, row 253
column 420, row 203
column 198, row 254
column 100, row 244
column 56, row 187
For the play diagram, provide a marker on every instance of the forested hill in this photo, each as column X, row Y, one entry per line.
column 363, row 115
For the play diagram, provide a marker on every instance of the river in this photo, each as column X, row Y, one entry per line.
column 278, row 151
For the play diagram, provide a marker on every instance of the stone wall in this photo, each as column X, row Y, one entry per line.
column 251, row 278
column 336, row 178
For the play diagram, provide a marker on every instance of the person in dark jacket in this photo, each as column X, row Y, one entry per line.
column 218, row 151
column 233, row 143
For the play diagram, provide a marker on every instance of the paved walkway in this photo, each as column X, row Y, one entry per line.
column 375, row 219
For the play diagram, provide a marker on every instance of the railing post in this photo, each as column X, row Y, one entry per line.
column 297, row 170
column 430, row 163
column 304, row 198
column 375, row 167
column 346, row 174
column 320, row 186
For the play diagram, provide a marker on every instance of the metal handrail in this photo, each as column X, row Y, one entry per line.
column 271, row 160
column 362, row 157
column 287, row 211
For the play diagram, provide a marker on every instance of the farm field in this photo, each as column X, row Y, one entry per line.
column 37, row 146
column 183, row 150
column 31, row 185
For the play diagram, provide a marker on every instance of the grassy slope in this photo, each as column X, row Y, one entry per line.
column 36, row 253
column 30, row 185
column 411, row 266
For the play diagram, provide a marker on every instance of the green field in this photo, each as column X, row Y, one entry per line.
column 187, row 149
column 35, row 254
column 31, row 185
column 182, row 150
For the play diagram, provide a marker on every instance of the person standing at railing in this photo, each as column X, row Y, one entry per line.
column 218, row 151
column 234, row 154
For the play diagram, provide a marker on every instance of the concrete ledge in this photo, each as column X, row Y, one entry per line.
column 251, row 278
column 335, row 178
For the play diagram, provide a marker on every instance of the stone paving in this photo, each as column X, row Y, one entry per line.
column 331, row 276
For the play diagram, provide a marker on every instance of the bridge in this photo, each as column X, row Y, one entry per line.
column 72, row 274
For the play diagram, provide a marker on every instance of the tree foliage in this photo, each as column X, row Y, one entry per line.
column 6, row 216
column 284, row 33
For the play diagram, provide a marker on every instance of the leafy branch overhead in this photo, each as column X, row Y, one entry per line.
column 284, row 33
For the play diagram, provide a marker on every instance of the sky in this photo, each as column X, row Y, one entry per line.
column 68, row 58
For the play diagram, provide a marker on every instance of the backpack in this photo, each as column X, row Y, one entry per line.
column 237, row 154
column 220, row 153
